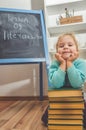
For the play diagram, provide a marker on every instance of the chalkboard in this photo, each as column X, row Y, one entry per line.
column 22, row 36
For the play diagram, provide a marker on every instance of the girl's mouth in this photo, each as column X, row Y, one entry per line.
column 66, row 52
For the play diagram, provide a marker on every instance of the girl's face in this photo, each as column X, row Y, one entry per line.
column 66, row 46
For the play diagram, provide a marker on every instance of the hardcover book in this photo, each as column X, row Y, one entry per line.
column 65, row 111
column 65, row 93
column 77, row 105
column 65, row 127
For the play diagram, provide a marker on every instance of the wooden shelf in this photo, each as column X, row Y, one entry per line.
column 74, row 27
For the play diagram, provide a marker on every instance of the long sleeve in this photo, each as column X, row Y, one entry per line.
column 77, row 73
column 56, row 75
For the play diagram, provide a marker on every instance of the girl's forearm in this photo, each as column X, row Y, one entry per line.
column 63, row 66
column 68, row 64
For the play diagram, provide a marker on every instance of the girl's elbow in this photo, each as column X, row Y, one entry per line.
column 77, row 86
column 56, row 85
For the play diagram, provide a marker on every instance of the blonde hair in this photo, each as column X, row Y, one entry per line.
column 68, row 34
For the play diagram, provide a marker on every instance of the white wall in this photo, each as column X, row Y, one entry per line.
column 37, row 4
column 18, row 4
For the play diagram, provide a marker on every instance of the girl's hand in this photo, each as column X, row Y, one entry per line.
column 59, row 58
column 62, row 61
column 73, row 56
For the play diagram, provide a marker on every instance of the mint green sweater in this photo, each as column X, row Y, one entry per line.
column 76, row 74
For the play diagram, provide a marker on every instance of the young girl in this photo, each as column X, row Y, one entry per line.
column 67, row 65
column 68, row 70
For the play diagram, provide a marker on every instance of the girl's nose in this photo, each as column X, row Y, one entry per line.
column 66, row 46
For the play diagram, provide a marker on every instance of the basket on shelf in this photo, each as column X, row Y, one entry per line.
column 70, row 20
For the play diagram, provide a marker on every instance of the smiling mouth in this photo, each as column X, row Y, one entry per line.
column 66, row 52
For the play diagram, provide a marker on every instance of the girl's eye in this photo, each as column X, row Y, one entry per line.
column 70, row 45
column 61, row 46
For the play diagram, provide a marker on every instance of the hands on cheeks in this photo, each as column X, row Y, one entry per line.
column 73, row 56
column 59, row 58
column 64, row 64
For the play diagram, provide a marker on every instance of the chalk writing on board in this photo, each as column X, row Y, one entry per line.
column 21, row 35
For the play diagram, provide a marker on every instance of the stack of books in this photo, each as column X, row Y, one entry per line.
column 65, row 109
